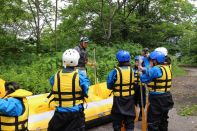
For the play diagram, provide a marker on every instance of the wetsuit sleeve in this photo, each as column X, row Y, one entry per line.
column 51, row 80
column 151, row 73
column 146, row 64
column 111, row 79
column 84, row 83
column 11, row 107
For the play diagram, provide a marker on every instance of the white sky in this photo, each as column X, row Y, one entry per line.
column 193, row 2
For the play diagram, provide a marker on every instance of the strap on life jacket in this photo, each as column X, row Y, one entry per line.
column 73, row 93
column 121, row 84
column 17, row 123
column 155, row 86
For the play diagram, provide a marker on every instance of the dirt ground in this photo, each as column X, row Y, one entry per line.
column 184, row 93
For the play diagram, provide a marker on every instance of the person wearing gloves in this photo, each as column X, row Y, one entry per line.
column 121, row 81
column 158, row 79
column 137, row 88
column 70, row 87
column 14, row 108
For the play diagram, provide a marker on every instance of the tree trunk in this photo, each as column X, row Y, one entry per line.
column 56, row 25
column 38, row 26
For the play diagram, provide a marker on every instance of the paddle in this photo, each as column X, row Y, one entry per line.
column 144, row 122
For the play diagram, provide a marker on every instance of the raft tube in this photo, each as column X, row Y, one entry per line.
column 97, row 109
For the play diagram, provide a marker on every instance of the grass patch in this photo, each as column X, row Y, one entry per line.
column 178, row 71
column 188, row 110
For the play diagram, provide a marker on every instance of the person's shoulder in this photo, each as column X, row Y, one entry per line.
column 14, row 100
column 113, row 72
column 156, row 69
column 77, row 47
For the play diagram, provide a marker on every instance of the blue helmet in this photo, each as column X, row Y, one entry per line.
column 158, row 56
column 136, row 58
column 123, row 56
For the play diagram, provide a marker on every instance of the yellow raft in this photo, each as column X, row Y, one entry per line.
column 99, row 104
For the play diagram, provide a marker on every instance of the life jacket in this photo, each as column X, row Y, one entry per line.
column 136, row 77
column 124, row 83
column 163, row 83
column 66, row 89
column 17, row 123
column 2, row 88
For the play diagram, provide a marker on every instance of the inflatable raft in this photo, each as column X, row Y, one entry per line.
column 97, row 108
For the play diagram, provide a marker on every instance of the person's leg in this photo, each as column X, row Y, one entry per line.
column 57, row 122
column 167, row 104
column 67, row 121
column 140, row 103
column 129, row 123
column 154, row 114
column 77, row 123
column 117, row 121
column 164, row 122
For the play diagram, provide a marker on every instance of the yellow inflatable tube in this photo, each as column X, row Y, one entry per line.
column 99, row 104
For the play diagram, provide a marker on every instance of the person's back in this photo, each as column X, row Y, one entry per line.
column 121, row 80
column 70, row 86
column 14, row 107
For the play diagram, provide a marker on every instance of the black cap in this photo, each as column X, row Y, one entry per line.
column 145, row 50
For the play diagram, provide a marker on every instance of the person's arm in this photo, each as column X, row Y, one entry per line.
column 51, row 80
column 77, row 48
column 84, row 83
column 145, row 65
column 111, row 79
column 151, row 73
column 11, row 107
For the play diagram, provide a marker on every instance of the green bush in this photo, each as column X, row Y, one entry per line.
column 188, row 110
column 176, row 70
column 33, row 71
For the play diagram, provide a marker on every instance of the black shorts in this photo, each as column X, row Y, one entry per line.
column 67, row 121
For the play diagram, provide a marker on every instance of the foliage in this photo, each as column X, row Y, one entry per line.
column 31, row 49
column 188, row 110
column 33, row 71
column 106, row 58
column 176, row 70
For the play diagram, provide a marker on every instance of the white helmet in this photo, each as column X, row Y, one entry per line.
column 163, row 50
column 70, row 58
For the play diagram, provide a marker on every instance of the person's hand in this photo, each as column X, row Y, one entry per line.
column 140, row 68
column 93, row 63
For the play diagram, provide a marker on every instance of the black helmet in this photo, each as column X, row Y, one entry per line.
column 145, row 50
